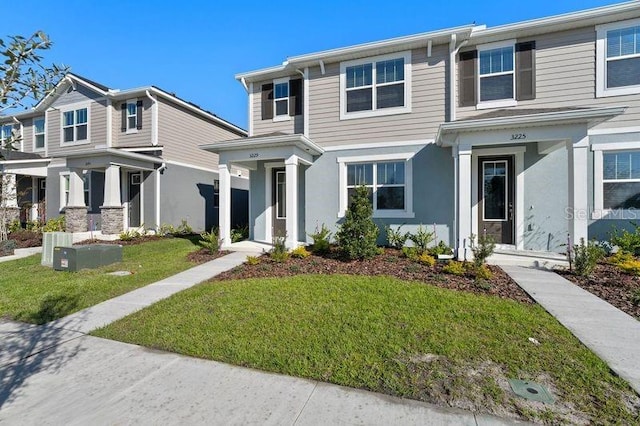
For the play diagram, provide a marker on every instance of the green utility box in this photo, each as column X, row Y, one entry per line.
column 85, row 257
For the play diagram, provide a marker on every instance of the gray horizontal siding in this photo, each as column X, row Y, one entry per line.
column 566, row 77
column 260, row 126
column 429, row 107
column 140, row 138
column 81, row 94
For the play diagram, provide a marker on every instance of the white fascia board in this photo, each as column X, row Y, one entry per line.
column 117, row 153
column 265, row 142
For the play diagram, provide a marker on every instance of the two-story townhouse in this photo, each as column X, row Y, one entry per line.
column 111, row 160
column 524, row 131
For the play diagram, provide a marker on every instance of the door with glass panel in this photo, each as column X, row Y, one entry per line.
column 279, row 203
column 496, row 201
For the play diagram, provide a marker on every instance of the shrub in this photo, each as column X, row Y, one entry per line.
column 165, row 229
column 358, row 233
column 14, row 226
column 421, row 239
column 279, row 251
column 321, row 240
column 454, row 268
column 483, row 284
column 427, row 260
column 586, row 257
column 627, row 241
column 184, row 228
column 482, row 249
column 129, row 235
column 57, row 224
column 635, row 297
column 396, row 238
column 253, row 260
column 7, row 247
column 483, row 272
column 441, row 248
column 410, row 253
column 210, row 241
column 626, row 262
column 34, row 226
column 300, row 252
column 240, row 234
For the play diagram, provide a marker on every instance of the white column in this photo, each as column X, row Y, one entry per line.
column 34, row 198
column 112, row 187
column 224, row 202
column 578, row 205
column 291, row 170
column 9, row 191
column 464, row 201
column 76, row 188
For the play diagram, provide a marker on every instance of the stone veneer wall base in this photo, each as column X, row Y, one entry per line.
column 112, row 219
column 76, row 219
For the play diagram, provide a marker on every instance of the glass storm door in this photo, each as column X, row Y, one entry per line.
column 496, row 198
column 279, row 203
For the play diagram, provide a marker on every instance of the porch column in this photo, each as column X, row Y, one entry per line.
column 34, row 198
column 577, row 211
column 9, row 199
column 224, row 204
column 112, row 211
column 76, row 210
column 463, row 154
column 291, row 171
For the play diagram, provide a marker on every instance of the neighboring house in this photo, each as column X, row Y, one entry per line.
column 116, row 159
column 528, row 131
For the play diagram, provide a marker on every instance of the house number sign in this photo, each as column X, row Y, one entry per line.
column 518, row 136
column 253, row 155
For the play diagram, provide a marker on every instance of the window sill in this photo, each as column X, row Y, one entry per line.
column 131, row 131
column 618, row 214
column 376, row 113
column 281, row 118
column 74, row 143
column 618, row 91
column 497, row 104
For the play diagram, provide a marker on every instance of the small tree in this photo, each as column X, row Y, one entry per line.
column 23, row 81
column 358, row 234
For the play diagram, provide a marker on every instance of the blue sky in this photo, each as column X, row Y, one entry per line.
column 194, row 48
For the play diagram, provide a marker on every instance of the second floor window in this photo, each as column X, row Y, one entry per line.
column 281, row 98
column 623, row 57
column 38, row 133
column 5, row 135
column 132, row 116
column 75, row 125
column 496, row 74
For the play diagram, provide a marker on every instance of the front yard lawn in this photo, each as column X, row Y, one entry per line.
column 33, row 293
column 402, row 338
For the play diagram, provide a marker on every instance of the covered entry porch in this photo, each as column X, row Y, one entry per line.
column 277, row 164
column 522, row 177
column 23, row 185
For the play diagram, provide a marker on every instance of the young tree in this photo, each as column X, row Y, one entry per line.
column 358, row 234
column 24, row 80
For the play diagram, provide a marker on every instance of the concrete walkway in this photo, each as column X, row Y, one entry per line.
column 610, row 333
column 20, row 253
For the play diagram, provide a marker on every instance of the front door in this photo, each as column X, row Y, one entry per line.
column 496, row 198
column 279, row 203
column 135, row 179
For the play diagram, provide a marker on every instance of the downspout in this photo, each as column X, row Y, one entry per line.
column 159, row 171
column 453, row 51
column 154, row 119
column 109, row 123
column 305, row 99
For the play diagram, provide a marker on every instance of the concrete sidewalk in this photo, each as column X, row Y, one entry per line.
column 119, row 307
column 20, row 253
column 87, row 380
column 613, row 335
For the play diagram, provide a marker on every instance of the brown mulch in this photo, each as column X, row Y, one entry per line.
column 204, row 255
column 132, row 242
column 25, row 239
column 611, row 284
column 391, row 263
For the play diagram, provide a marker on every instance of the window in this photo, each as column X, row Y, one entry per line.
column 281, row 195
column 38, row 133
column 496, row 73
column 388, row 178
column 618, row 58
column 377, row 86
column 5, row 134
column 494, row 190
column 75, row 126
column 281, row 99
column 64, row 184
column 216, row 194
column 621, row 180
column 132, row 116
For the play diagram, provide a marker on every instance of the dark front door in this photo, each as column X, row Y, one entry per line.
column 496, row 198
column 135, row 179
column 279, row 203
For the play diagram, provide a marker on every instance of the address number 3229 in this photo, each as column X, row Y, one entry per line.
column 518, row 136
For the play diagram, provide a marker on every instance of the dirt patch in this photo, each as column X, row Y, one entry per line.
column 25, row 239
column 204, row 255
column 390, row 263
column 609, row 283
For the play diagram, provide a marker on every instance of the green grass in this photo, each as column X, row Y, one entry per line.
column 376, row 333
column 33, row 293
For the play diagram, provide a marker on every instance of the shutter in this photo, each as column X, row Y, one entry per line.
column 295, row 97
column 526, row 70
column 267, row 101
column 123, row 109
column 467, row 65
column 139, row 114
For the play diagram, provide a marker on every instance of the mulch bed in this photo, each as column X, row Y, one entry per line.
column 204, row 255
column 611, row 284
column 391, row 263
column 25, row 239
column 132, row 242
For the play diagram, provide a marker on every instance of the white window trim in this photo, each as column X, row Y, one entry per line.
column 344, row 115
column 33, row 123
column 601, row 60
column 284, row 117
column 408, row 179
column 74, row 107
column 599, row 212
column 135, row 129
column 499, row 103
column 64, row 176
column 2, row 138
